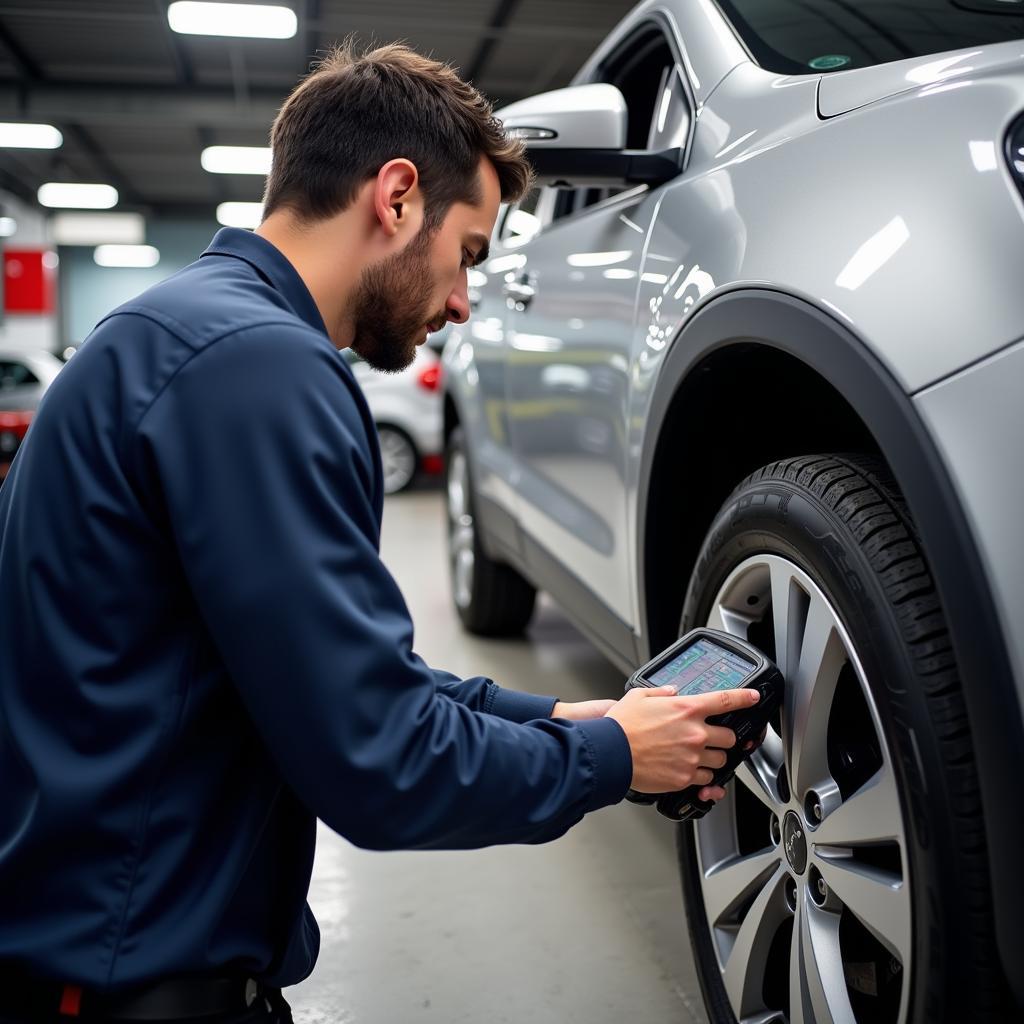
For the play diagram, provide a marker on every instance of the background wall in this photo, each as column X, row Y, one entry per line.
column 27, row 330
column 88, row 292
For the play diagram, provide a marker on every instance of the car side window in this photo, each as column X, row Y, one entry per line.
column 15, row 375
column 645, row 71
column 521, row 223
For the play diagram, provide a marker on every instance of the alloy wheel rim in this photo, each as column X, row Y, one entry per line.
column 460, row 530
column 830, row 879
column 398, row 460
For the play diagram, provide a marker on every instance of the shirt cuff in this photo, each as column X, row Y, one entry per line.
column 612, row 760
column 518, row 707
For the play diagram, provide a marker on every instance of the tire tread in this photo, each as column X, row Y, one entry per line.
column 859, row 490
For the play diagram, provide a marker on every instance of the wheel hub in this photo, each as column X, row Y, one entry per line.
column 794, row 839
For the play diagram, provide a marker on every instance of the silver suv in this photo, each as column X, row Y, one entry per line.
column 750, row 357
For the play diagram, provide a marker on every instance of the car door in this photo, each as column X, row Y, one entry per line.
column 568, row 332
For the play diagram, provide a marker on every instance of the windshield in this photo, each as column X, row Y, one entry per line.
column 804, row 37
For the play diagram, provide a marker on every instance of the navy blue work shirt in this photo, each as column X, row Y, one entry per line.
column 201, row 651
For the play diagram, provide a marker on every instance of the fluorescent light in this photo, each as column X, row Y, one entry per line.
column 254, row 21
column 8, row 225
column 126, row 255
column 77, row 195
column 29, row 136
column 236, row 159
column 240, row 215
column 98, row 228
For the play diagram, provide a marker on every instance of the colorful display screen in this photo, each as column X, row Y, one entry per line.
column 702, row 667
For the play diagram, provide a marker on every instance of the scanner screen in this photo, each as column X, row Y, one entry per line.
column 702, row 667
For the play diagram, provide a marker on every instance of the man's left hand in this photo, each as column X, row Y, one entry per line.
column 581, row 710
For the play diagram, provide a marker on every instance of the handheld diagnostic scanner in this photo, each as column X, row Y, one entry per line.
column 702, row 661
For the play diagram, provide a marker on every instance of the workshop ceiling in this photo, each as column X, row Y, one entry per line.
column 137, row 103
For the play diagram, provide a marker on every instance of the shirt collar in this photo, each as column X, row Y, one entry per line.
column 271, row 264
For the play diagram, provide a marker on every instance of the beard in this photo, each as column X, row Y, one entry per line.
column 391, row 308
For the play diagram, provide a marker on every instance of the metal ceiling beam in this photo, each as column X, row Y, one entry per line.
column 26, row 65
column 15, row 184
column 108, row 172
column 119, row 104
column 309, row 34
column 502, row 15
column 182, row 63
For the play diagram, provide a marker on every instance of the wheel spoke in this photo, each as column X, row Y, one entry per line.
column 871, row 815
column 744, row 970
column 782, row 594
column 811, row 687
column 760, row 772
column 817, row 985
column 728, row 884
column 878, row 899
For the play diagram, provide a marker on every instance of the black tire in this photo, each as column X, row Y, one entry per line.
column 495, row 600
column 842, row 521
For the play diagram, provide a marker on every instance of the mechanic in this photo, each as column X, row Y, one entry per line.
column 200, row 649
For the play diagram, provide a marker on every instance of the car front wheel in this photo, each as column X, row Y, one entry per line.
column 843, row 877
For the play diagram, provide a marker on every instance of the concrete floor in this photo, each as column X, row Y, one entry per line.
column 588, row 929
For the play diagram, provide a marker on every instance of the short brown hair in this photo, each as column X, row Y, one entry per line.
column 357, row 111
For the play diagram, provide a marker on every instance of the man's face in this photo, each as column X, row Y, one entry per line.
column 404, row 297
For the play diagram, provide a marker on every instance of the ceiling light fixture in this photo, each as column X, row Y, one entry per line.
column 236, row 159
column 29, row 136
column 77, row 195
column 98, row 228
column 251, row 21
column 126, row 255
column 240, row 215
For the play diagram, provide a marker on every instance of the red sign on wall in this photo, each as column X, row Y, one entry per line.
column 29, row 280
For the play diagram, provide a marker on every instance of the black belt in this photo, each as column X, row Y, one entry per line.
column 22, row 995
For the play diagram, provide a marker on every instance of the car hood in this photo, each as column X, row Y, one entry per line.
column 843, row 91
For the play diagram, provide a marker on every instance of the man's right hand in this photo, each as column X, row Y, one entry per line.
column 672, row 744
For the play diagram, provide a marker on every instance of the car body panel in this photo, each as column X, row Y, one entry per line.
column 843, row 91
column 974, row 418
column 793, row 206
column 568, row 392
column 902, row 247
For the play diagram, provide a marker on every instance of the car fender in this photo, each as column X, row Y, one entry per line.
column 834, row 352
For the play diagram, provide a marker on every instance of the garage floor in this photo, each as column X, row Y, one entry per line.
column 586, row 929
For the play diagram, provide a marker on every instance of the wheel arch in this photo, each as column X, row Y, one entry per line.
column 815, row 366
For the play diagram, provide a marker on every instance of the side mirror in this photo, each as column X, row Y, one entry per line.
column 577, row 136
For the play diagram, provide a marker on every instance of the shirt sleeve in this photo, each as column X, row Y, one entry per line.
column 485, row 695
column 259, row 447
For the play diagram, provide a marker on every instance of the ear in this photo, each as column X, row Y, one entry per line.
column 396, row 195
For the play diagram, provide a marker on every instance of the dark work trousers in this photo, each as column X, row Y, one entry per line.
column 273, row 1010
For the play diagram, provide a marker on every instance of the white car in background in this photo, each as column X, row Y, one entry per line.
column 407, row 409
column 24, row 377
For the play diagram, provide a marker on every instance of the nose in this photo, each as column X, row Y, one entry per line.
column 457, row 305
